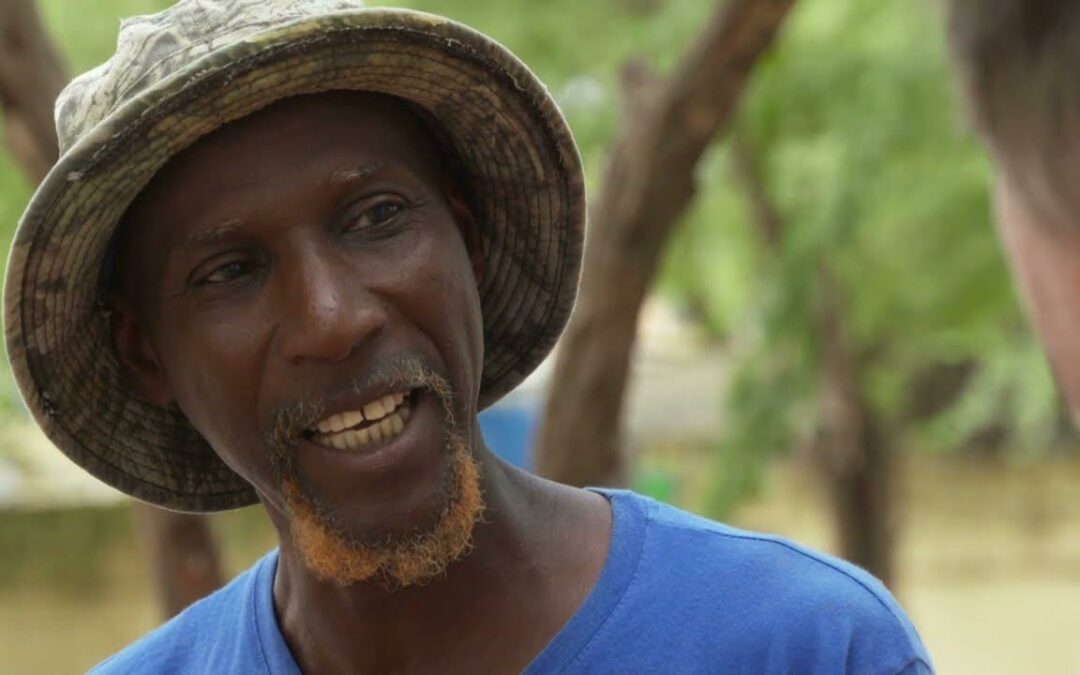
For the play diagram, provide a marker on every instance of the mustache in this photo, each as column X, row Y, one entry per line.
column 399, row 371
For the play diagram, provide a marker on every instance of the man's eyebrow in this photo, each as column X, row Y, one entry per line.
column 350, row 175
column 210, row 234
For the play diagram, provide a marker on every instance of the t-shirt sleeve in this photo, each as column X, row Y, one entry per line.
column 784, row 608
column 917, row 667
column 844, row 613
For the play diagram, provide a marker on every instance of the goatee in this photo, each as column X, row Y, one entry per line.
column 333, row 554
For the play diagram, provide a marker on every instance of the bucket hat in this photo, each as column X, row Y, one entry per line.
column 180, row 74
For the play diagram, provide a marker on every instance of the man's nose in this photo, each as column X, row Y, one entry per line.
column 327, row 312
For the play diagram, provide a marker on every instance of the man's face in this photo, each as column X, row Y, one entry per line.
column 296, row 269
column 1044, row 254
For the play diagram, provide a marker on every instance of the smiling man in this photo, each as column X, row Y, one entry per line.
column 290, row 250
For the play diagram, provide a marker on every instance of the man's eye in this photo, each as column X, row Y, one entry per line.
column 376, row 215
column 226, row 272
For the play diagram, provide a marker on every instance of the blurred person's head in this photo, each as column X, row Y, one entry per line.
column 1019, row 68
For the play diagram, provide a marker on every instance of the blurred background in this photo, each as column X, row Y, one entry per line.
column 828, row 346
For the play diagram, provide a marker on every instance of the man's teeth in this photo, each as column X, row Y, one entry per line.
column 383, row 430
column 375, row 410
column 386, row 418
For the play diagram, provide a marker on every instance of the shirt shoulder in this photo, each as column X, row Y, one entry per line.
column 767, row 560
column 729, row 593
column 214, row 634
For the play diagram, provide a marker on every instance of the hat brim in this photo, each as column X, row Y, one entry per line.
column 515, row 147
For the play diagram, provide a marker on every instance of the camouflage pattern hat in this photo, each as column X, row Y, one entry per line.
column 179, row 75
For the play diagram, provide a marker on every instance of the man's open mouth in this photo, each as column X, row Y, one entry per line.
column 380, row 420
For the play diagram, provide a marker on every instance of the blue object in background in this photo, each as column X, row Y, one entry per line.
column 508, row 430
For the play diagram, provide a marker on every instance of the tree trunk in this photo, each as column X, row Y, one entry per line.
column 32, row 73
column 855, row 457
column 183, row 556
column 648, row 184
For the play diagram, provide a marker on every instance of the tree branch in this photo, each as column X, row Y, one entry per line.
column 32, row 73
column 648, row 184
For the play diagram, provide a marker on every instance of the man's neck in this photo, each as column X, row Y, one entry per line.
column 536, row 554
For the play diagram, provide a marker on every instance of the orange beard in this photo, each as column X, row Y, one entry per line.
column 408, row 561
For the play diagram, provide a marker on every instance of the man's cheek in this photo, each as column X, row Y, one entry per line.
column 208, row 396
column 455, row 301
column 1045, row 261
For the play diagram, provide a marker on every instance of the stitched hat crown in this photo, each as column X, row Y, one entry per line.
column 151, row 48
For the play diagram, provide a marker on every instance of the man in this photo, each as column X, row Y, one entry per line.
column 291, row 249
column 1017, row 61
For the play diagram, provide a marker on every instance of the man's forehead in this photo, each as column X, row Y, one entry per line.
column 336, row 139
column 204, row 228
column 374, row 122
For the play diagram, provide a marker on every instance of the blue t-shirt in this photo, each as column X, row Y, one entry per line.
column 678, row 594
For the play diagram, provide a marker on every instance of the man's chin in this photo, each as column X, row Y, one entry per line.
column 398, row 560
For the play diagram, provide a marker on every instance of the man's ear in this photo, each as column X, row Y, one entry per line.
column 138, row 358
column 470, row 231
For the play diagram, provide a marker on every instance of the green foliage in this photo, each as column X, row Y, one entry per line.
column 866, row 157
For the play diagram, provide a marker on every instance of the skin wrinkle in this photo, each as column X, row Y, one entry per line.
column 211, row 234
column 346, row 176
